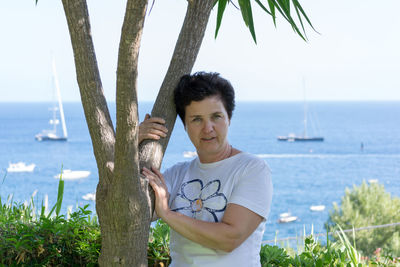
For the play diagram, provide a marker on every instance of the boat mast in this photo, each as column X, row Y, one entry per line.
column 64, row 127
column 305, row 108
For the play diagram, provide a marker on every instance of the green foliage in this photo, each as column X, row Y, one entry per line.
column 282, row 6
column 29, row 238
column 273, row 256
column 50, row 241
column 35, row 238
column 369, row 205
column 340, row 253
column 158, row 248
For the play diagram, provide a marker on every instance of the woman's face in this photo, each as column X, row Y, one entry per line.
column 207, row 125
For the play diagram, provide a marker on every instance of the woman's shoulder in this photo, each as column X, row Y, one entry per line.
column 178, row 167
column 248, row 158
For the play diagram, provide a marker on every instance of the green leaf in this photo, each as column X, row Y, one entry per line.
column 243, row 9
column 298, row 6
column 272, row 7
column 60, row 195
column 221, row 9
column 247, row 14
column 263, row 7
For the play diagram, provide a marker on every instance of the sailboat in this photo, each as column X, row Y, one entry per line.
column 304, row 137
column 51, row 134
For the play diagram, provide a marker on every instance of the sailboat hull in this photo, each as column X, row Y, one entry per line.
column 300, row 139
column 50, row 138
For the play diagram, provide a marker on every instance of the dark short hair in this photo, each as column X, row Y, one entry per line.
column 199, row 86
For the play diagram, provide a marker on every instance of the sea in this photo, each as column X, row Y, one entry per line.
column 361, row 144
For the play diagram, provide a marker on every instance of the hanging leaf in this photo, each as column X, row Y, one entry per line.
column 263, row 7
column 247, row 14
column 282, row 6
column 298, row 6
column 221, row 10
column 243, row 9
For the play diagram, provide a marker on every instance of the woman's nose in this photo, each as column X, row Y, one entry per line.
column 208, row 126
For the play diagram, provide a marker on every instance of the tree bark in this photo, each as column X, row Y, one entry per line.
column 91, row 90
column 184, row 56
column 123, row 202
column 121, row 215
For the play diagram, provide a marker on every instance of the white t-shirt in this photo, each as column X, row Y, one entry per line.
column 202, row 191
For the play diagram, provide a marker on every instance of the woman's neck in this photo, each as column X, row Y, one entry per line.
column 227, row 152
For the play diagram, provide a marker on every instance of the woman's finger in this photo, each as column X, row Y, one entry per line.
column 157, row 131
column 157, row 172
column 156, row 120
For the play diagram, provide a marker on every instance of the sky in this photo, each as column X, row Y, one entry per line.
column 354, row 56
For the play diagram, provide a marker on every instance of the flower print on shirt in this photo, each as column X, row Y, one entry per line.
column 201, row 202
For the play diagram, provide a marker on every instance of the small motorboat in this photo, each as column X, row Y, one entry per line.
column 286, row 217
column 317, row 207
column 72, row 175
column 189, row 154
column 20, row 167
column 89, row 196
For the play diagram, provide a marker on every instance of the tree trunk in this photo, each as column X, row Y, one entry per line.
column 122, row 199
column 183, row 59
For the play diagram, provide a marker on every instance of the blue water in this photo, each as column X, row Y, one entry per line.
column 304, row 174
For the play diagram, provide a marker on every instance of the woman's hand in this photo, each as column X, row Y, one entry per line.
column 152, row 128
column 157, row 182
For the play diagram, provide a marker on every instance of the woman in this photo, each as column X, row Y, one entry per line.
column 216, row 204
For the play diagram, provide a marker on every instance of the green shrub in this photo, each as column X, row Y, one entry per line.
column 338, row 254
column 52, row 241
column 38, row 238
column 158, row 248
column 369, row 205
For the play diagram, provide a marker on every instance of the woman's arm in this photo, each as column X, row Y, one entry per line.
column 237, row 224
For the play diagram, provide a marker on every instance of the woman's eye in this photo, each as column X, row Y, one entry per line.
column 217, row 116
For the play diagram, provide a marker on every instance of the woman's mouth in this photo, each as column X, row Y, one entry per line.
column 208, row 139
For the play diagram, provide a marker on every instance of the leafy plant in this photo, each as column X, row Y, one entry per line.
column 369, row 205
column 273, row 256
column 30, row 238
column 158, row 248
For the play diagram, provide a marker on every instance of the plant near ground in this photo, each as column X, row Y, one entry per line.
column 340, row 253
column 369, row 205
column 29, row 237
column 158, row 249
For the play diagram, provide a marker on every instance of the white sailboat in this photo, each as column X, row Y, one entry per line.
column 304, row 136
column 72, row 175
column 20, row 167
column 51, row 134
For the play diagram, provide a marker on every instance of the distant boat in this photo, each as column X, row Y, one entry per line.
column 89, row 196
column 51, row 135
column 72, row 175
column 303, row 137
column 286, row 218
column 20, row 167
column 317, row 208
column 189, row 154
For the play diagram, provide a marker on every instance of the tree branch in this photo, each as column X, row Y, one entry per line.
column 91, row 90
column 185, row 53
column 126, row 148
column 183, row 59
